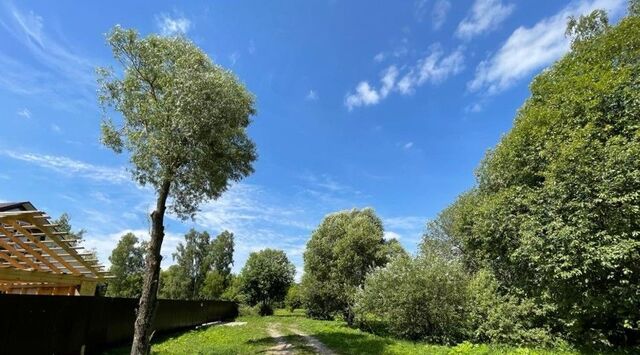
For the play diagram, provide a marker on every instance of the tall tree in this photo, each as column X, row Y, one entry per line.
column 555, row 215
column 342, row 250
column 184, row 123
column 221, row 255
column 127, row 267
column 193, row 259
column 266, row 277
column 64, row 225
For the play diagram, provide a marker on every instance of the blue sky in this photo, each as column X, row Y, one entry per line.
column 386, row 104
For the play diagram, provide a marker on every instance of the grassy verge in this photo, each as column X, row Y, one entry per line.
column 253, row 338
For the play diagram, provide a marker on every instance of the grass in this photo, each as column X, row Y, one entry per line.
column 253, row 338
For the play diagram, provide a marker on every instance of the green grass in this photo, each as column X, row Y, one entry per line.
column 253, row 338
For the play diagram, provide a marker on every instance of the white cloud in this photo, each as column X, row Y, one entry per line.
column 312, row 95
column 170, row 26
column 55, row 128
column 379, row 57
column 24, row 113
column 388, row 235
column 69, row 166
column 530, row 49
column 408, row 145
column 439, row 15
column 388, row 80
column 434, row 68
column 485, row 16
column 365, row 95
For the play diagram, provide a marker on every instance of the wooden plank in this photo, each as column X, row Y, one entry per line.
column 17, row 275
column 31, row 251
column 11, row 261
column 13, row 251
column 44, row 247
column 45, row 229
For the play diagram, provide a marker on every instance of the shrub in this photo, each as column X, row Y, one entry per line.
column 417, row 299
column 293, row 299
column 503, row 319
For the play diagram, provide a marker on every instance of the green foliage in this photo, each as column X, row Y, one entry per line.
column 213, row 286
column 203, row 267
column 221, row 255
column 555, row 215
column 233, row 291
column 174, row 284
column 184, row 117
column 416, row 299
column 293, row 299
column 634, row 8
column 503, row 319
column 127, row 267
column 266, row 277
column 587, row 27
column 64, row 225
column 192, row 258
column 342, row 250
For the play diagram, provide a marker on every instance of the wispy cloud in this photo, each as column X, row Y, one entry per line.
column 439, row 14
column 61, row 75
column 24, row 113
column 408, row 145
column 172, row 25
column 233, row 58
column 434, row 68
column 312, row 95
column 71, row 167
column 485, row 16
column 531, row 48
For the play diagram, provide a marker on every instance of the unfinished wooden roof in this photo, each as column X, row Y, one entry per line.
column 36, row 256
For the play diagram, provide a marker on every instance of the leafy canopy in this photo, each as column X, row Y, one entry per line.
column 184, row 118
column 556, row 212
column 344, row 248
column 266, row 277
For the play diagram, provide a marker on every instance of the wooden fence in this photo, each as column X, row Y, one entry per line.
column 76, row 325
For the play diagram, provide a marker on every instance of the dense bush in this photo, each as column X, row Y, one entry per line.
column 417, row 299
column 293, row 299
column 433, row 297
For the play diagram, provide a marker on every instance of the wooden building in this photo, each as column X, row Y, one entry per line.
column 37, row 257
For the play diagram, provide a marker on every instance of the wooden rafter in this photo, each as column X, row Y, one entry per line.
column 36, row 257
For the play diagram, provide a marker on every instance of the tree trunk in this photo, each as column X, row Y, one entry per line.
column 149, row 297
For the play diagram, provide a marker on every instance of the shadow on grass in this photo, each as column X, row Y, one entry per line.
column 124, row 349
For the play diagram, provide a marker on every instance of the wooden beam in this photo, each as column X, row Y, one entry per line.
column 45, row 248
column 31, row 251
column 11, row 261
column 16, row 275
column 13, row 251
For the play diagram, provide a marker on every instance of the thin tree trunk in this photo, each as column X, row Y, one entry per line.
column 149, row 297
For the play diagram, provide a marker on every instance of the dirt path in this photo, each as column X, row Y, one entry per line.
column 282, row 347
column 319, row 347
